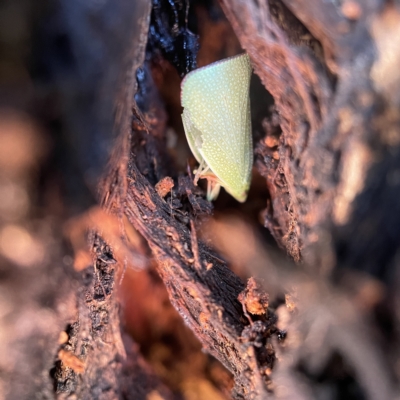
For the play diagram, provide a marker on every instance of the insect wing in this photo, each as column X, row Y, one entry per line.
column 193, row 135
column 216, row 99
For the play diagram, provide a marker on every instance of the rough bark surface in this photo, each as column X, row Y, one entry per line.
column 101, row 99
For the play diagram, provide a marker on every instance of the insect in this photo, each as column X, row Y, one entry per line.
column 216, row 119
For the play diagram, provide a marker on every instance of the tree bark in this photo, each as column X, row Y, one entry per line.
column 321, row 314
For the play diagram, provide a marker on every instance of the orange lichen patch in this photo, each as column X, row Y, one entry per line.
column 70, row 360
column 164, row 186
column 253, row 298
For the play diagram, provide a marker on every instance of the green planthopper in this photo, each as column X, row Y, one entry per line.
column 217, row 123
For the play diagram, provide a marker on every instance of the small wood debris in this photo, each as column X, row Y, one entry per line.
column 253, row 298
column 70, row 360
column 164, row 186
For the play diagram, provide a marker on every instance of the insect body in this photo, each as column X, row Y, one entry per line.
column 216, row 118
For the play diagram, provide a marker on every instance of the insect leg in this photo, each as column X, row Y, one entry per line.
column 213, row 189
column 200, row 171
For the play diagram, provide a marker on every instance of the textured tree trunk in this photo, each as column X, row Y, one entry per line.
column 87, row 119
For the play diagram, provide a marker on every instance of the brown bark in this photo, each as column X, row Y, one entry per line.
column 328, row 153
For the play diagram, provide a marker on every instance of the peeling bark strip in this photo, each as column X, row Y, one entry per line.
column 206, row 297
column 302, row 92
column 321, row 139
column 328, row 112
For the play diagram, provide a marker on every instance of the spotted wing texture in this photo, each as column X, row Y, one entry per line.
column 216, row 118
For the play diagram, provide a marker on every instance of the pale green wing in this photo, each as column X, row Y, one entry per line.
column 193, row 135
column 217, row 109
